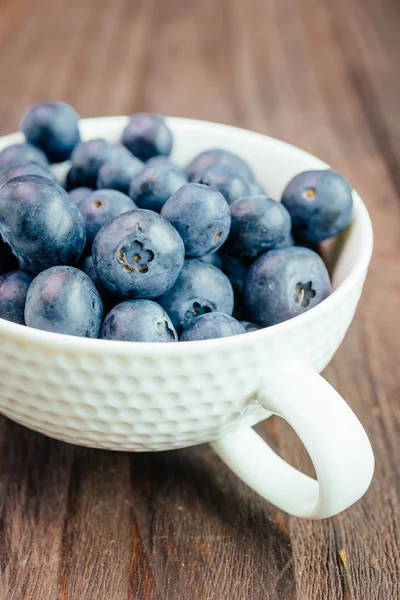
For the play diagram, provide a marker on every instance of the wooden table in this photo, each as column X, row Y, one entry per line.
column 81, row 524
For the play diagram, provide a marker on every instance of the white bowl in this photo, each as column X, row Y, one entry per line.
column 141, row 396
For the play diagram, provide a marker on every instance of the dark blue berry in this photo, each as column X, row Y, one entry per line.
column 117, row 174
column 13, row 291
column 147, row 135
column 17, row 154
column 320, row 204
column 152, row 187
column 138, row 254
column 258, row 224
column 8, row 261
column 155, row 161
column 53, row 127
column 138, row 321
column 210, row 158
column 40, row 222
column 201, row 216
column 211, row 326
column 79, row 194
column 282, row 284
column 88, row 158
column 236, row 269
column 100, row 207
column 224, row 179
column 249, row 327
column 199, row 289
column 64, row 300
column 30, row 168
column 213, row 259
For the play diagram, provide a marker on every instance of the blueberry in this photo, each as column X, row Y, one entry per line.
column 109, row 300
column 155, row 161
column 29, row 168
column 13, row 291
column 256, row 188
column 8, row 261
column 138, row 254
column 138, row 321
column 210, row 326
column 100, row 207
column 147, row 135
column 282, row 284
column 213, row 259
column 80, row 193
column 199, row 289
column 201, row 216
column 152, row 187
column 64, row 300
column 210, row 158
column 40, row 222
column 88, row 158
column 117, row 174
column 320, row 204
column 17, row 154
column 258, row 224
column 249, row 327
column 53, row 127
column 236, row 269
column 224, row 179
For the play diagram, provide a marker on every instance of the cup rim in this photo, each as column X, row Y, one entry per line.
column 338, row 295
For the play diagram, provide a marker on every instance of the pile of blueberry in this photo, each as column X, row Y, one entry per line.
column 136, row 248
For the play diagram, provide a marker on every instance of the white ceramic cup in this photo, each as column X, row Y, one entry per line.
column 141, row 396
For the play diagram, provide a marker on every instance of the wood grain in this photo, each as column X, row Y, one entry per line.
column 321, row 74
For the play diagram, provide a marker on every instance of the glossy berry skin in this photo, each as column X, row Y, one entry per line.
column 212, row 259
column 154, row 185
column 213, row 157
column 249, row 327
column 236, row 269
column 79, row 194
column 224, row 179
column 320, row 204
column 138, row 254
column 147, row 135
column 52, row 127
column 87, row 159
column 117, row 174
column 29, row 168
column 8, row 261
column 199, row 289
column 17, row 154
column 282, row 284
column 40, row 222
column 210, row 326
column 201, row 216
column 13, row 291
column 99, row 208
column 155, row 161
column 138, row 321
column 64, row 300
column 258, row 224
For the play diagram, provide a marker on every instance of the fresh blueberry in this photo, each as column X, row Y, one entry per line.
column 100, row 207
column 249, row 327
column 320, row 204
column 230, row 184
column 17, row 154
column 31, row 168
column 13, row 291
column 138, row 321
column 109, row 300
column 258, row 224
column 40, row 222
column 64, row 300
column 199, row 289
column 210, row 158
column 210, row 326
column 138, row 254
column 282, row 284
column 236, row 269
column 256, row 188
column 201, row 216
column 88, row 158
column 147, row 135
column 53, row 127
column 213, row 259
column 80, row 193
column 117, row 174
column 152, row 187
column 8, row 261
column 155, row 161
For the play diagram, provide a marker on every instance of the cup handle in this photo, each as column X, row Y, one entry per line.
column 330, row 431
